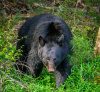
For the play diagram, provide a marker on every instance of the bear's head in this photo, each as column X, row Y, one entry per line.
column 51, row 47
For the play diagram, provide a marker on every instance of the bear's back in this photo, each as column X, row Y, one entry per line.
column 34, row 21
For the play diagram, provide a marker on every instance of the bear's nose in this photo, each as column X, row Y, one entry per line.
column 51, row 67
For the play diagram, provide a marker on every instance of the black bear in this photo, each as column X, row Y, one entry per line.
column 45, row 40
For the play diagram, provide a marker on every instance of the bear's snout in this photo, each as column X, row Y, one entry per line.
column 50, row 67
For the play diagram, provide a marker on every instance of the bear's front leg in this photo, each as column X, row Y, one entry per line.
column 34, row 64
column 61, row 73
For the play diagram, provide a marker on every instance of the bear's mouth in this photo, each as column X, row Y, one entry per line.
column 51, row 71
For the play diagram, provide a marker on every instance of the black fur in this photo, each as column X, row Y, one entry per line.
column 46, row 38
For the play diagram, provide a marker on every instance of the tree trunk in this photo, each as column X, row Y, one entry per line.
column 97, row 46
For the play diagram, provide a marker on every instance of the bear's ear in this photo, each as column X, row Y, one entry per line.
column 54, row 26
column 60, row 40
column 41, row 41
column 57, row 25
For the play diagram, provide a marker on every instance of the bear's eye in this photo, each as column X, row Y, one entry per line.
column 60, row 43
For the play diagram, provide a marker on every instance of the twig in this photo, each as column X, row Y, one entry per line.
column 22, row 85
column 7, row 87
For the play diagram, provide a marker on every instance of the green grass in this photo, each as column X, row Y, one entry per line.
column 85, row 73
column 82, row 79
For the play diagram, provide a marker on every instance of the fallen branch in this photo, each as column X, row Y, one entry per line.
column 37, row 5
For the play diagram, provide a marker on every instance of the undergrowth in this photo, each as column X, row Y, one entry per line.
column 85, row 73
